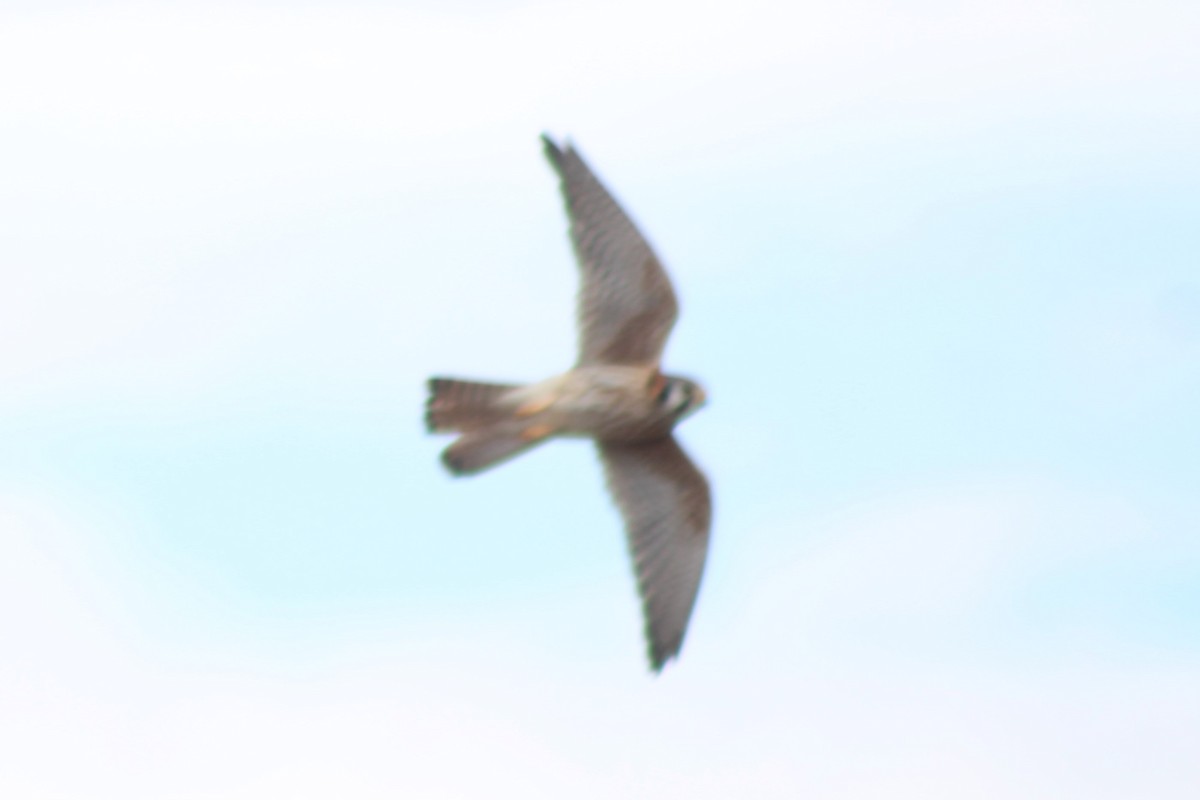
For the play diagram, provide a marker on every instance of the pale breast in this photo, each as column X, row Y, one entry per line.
column 610, row 402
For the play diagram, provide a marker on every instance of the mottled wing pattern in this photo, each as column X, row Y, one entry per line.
column 626, row 304
column 667, row 508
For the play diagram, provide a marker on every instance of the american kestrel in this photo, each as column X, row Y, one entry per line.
column 616, row 395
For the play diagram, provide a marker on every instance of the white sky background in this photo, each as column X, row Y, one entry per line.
column 939, row 273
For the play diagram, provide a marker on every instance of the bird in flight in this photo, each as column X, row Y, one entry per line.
column 616, row 395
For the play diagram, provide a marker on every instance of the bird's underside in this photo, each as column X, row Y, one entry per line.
column 617, row 396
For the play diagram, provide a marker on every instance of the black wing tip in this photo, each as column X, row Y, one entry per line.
column 557, row 153
column 553, row 153
column 660, row 658
column 661, row 652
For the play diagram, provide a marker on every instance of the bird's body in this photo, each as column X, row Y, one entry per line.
column 604, row 401
column 611, row 402
column 616, row 395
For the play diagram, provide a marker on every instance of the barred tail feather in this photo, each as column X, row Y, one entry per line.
column 478, row 450
column 456, row 405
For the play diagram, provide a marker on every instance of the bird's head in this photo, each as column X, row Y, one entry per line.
column 679, row 397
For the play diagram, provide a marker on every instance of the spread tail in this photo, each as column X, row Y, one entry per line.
column 491, row 431
column 455, row 405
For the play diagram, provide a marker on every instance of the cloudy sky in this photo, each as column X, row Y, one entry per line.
column 939, row 270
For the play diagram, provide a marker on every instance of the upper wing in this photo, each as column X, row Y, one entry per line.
column 626, row 304
column 668, row 511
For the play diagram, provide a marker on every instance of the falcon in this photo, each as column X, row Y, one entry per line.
column 617, row 395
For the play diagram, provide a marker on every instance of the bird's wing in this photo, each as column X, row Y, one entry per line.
column 626, row 304
column 667, row 507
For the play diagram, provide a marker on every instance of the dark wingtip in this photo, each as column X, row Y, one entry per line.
column 659, row 653
column 554, row 153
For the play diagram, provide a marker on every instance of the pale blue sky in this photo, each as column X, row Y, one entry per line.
column 939, row 270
